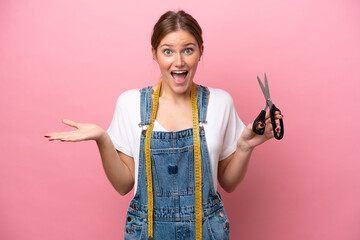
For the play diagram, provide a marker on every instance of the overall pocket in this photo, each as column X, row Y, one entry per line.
column 175, row 166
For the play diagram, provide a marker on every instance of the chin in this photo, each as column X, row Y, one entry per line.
column 184, row 87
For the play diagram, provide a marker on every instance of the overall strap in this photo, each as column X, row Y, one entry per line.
column 146, row 104
column 202, row 102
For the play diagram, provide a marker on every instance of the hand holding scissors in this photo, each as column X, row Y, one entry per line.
column 261, row 118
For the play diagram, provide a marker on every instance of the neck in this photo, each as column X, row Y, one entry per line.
column 167, row 93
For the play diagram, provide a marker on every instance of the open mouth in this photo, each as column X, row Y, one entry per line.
column 179, row 76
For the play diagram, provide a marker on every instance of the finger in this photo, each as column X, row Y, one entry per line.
column 267, row 121
column 278, row 130
column 57, row 137
column 272, row 134
column 269, row 131
column 260, row 125
column 278, row 115
column 267, row 115
column 70, row 139
column 60, row 135
column 65, row 139
column 75, row 137
column 47, row 135
column 52, row 134
column 70, row 123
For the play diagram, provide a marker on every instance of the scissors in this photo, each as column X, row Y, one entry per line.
column 273, row 109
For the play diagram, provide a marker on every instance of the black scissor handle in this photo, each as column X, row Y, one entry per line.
column 273, row 123
column 261, row 119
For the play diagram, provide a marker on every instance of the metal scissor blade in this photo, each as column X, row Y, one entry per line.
column 267, row 90
column 262, row 87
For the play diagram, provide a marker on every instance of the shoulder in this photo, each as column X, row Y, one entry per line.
column 128, row 97
column 220, row 97
column 129, row 94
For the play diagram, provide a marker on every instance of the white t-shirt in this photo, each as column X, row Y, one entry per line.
column 222, row 130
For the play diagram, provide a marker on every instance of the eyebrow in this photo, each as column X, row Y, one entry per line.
column 169, row 45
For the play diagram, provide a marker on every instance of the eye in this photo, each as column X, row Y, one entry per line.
column 188, row 51
column 167, row 52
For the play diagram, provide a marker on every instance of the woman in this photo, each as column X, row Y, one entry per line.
column 155, row 143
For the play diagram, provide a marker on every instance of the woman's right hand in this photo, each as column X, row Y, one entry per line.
column 83, row 132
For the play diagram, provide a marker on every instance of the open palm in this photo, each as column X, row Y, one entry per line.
column 83, row 132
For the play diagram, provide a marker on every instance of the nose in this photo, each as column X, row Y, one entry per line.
column 179, row 61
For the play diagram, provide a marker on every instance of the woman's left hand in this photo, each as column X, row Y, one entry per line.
column 248, row 139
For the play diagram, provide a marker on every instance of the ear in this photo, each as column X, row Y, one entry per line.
column 201, row 51
column 153, row 51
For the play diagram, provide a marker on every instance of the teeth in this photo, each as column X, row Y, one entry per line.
column 179, row 72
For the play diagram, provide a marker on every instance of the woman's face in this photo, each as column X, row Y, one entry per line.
column 178, row 55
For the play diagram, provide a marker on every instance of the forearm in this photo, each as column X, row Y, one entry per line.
column 233, row 169
column 236, row 166
column 115, row 168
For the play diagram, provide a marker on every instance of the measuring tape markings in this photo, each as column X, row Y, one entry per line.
column 197, row 158
column 148, row 163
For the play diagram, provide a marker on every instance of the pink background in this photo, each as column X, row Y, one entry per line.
column 71, row 59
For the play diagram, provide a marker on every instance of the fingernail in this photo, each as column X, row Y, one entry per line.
column 262, row 125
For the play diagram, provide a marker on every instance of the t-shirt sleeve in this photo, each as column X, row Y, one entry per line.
column 233, row 130
column 119, row 129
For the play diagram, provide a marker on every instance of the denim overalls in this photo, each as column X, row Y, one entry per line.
column 172, row 160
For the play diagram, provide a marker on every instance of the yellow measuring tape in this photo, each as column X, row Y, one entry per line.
column 197, row 159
